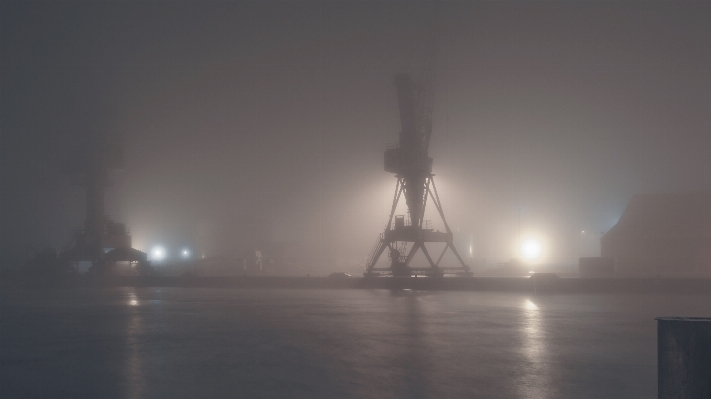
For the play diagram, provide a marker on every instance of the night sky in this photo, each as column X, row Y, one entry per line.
column 551, row 114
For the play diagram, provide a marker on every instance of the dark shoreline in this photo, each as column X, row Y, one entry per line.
column 505, row 284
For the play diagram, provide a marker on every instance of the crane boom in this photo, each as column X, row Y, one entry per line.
column 427, row 79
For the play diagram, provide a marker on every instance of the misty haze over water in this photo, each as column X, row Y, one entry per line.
column 548, row 117
column 219, row 343
column 243, row 123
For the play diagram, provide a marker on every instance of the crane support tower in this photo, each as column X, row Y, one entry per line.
column 412, row 166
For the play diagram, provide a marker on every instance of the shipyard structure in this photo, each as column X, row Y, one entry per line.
column 102, row 244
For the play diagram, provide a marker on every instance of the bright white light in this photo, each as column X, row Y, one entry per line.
column 530, row 305
column 158, row 253
column 185, row 253
column 531, row 249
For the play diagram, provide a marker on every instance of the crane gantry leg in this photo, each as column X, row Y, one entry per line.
column 416, row 236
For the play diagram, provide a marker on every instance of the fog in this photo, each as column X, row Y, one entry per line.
column 548, row 117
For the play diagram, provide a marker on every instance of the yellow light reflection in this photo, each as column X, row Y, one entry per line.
column 535, row 381
column 530, row 305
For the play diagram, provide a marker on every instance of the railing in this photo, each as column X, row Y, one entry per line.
column 375, row 249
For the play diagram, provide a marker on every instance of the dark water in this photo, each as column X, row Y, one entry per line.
column 226, row 343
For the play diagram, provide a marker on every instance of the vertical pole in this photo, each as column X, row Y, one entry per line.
column 424, row 202
column 518, row 249
column 684, row 357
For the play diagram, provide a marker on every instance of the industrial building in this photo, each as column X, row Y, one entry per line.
column 662, row 234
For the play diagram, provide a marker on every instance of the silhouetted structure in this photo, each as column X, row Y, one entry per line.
column 102, row 241
column 662, row 233
column 684, row 357
column 412, row 166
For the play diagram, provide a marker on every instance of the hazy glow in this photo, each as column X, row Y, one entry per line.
column 192, row 179
column 185, row 253
column 530, row 305
column 158, row 253
column 531, row 249
column 133, row 299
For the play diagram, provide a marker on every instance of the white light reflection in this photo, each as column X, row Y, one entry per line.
column 535, row 381
column 133, row 364
column 132, row 299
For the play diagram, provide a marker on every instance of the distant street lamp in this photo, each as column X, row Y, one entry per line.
column 580, row 245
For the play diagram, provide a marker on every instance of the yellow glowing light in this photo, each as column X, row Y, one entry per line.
column 531, row 249
column 158, row 253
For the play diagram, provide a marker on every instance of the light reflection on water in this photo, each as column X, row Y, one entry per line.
column 134, row 362
column 189, row 342
column 132, row 299
column 534, row 382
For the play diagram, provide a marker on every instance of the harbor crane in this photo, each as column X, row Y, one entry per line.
column 410, row 162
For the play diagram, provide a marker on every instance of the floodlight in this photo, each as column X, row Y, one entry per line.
column 158, row 253
column 531, row 249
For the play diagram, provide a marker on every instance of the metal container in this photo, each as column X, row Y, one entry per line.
column 684, row 357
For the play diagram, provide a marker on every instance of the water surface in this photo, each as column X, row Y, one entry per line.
column 228, row 343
